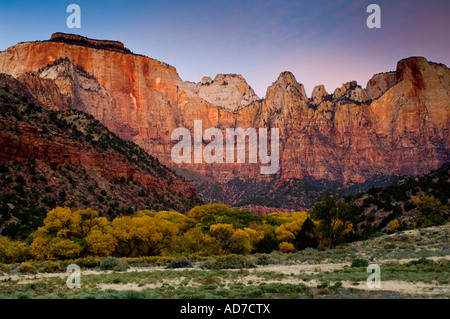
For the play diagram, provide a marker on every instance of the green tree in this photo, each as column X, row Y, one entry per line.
column 335, row 220
column 432, row 211
column 306, row 237
column 268, row 244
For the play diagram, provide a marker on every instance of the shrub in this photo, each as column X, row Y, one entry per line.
column 50, row 267
column 262, row 259
column 421, row 260
column 229, row 262
column 121, row 267
column 394, row 224
column 111, row 263
column 3, row 268
column 12, row 251
column 86, row 262
column 131, row 294
column 336, row 286
column 163, row 261
column 26, row 268
column 323, row 291
column 359, row 262
column 179, row 263
column 21, row 295
column 277, row 258
column 286, row 247
column 377, row 234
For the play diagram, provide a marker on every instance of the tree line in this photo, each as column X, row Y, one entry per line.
column 213, row 229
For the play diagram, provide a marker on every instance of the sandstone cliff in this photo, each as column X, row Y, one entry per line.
column 398, row 124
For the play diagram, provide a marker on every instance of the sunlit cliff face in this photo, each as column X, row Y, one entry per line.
column 399, row 123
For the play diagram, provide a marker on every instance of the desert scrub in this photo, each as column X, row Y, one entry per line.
column 418, row 271
column 284, row 289
column 271, row 275
column 26, row 268
column 50, row 267
column 228, row 262
column 274, row 258
column 86, row 262
column 4, row 268
column 410, row 272
column 111, row 263
column 359, row 262
column 164, row 261
column 179, row 263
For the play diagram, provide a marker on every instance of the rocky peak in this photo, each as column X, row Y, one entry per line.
column 350, row 91
column 285, row 99
column 229, row 91
column 318, row 94
column 286, row 82
column 413, row 69
column 206, row 80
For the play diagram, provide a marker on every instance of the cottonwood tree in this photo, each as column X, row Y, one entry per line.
column 335, row 220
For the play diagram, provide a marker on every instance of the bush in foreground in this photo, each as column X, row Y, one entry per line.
column 359, row 262
column 111, row 263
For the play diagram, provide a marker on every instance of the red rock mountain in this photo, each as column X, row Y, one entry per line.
column 398, row 124
column 72, row 154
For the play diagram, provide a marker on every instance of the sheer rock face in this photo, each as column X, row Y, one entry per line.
column 398, row 124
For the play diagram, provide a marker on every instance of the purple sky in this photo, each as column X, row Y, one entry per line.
column 321, row 42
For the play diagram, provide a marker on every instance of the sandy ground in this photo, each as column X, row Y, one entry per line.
column 255, row 278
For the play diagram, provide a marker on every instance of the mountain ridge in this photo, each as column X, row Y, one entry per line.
column 398, row 123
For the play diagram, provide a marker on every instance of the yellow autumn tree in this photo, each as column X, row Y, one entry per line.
column 90, row 221
column 286, row 232
column 255, row 235
column 143, row 234
column 12, row 251
column 61, row 222
column 194, row 241
column 198, row 212
column 124, row 231
column 394, row 224
column 286, row 247
column 182, row 221
column 240, row 243
column 65, row 234
column 155, row 234
column 100, row 243
column 234, row 241
column 278, row 218
column 222, row 233
column 344, row 227
column 52, row 248
column 334, row 220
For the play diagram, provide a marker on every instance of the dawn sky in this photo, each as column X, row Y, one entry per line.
column 321, row 42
